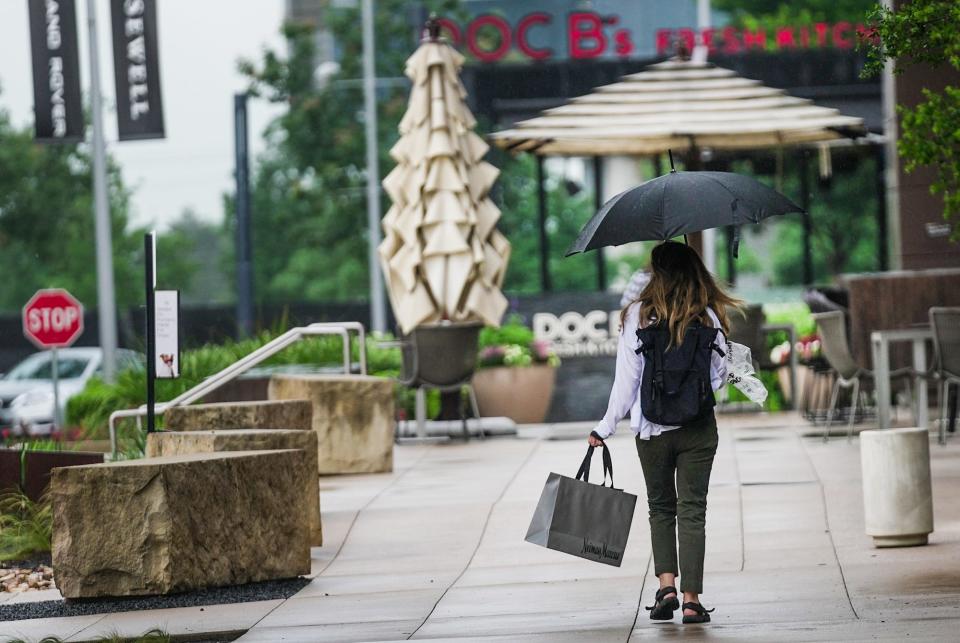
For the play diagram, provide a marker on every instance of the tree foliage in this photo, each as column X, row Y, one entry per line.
column 308, row 192
column 925, row 32
column 47, row 226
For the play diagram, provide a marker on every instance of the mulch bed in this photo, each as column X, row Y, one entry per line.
column 267, row 590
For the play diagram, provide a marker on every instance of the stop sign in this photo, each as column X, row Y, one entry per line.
column 53, row 318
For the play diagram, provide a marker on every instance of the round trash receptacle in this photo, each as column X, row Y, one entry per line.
column 897, row 499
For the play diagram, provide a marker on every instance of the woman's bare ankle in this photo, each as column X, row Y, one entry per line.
column 690, row 597
column 667, row 580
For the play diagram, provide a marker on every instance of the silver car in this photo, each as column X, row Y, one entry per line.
column 26, row 392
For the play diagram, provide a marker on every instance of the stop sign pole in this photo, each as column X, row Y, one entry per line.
column 52, row 319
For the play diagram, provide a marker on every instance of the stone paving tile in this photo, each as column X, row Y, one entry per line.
column 588, row 623
column 353, row 608
column 180, row 621
column 36, row 629
column 334, row 633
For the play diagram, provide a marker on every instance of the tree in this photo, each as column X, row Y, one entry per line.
column 843, row 222
column 47, row 226
column 925, row 32
column 310, row 230
column 190, row 258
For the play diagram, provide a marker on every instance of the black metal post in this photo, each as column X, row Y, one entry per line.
column 598, row 203
column 883, row 249
column 150, row 285
column 244, row 258
column 545, row 283
column 808, row 275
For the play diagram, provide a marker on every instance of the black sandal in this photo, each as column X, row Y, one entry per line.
column 702, row 615
column 663, row 608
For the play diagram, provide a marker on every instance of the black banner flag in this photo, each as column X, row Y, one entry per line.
column 136, row 68
column 56, row 70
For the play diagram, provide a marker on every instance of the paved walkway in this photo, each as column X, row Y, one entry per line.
column 435, row 550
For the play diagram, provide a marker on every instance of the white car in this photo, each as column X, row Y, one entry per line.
column 26, row 392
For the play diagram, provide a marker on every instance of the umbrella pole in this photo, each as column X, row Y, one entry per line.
column 693, row 165
column 545, row 285
column 597, row 204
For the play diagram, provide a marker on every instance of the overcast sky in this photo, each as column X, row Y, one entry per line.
column 200, row 42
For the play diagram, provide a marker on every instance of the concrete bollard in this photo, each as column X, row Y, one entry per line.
column 897, row 498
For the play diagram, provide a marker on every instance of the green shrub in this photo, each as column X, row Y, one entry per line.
column 25, row 526
column 512, row 332
column 91, row 408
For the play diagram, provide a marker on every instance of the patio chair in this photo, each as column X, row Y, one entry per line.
column 945, row 323
column 441, row 357
column 835, row 346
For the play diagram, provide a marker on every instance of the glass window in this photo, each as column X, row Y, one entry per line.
column 39, row 367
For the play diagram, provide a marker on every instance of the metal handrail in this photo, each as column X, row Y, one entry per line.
column 244, row 364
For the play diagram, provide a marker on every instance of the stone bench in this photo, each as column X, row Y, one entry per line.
column 291, row 414
column 353, row 416
column 168, row 443
column 178, row 523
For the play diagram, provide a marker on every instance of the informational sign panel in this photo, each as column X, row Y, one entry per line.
column 57, row 104
column 136, row 69
column 167, row 334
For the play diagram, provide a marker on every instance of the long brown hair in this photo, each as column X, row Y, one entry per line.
column 680, row 290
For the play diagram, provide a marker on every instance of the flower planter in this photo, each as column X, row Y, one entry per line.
column 38, row 466
column 521, row 393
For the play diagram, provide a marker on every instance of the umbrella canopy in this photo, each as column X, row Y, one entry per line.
column 442, row 255
column 681, row 203
column 678, row 105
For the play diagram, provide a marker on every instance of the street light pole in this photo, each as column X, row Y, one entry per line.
column 378, row 317
column 709, row 236
column 106, row 300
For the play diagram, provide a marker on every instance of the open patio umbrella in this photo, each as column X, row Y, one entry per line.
column 442, row 254
column 679, row 203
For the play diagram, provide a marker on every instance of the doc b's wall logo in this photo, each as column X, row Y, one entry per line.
column 579, row 335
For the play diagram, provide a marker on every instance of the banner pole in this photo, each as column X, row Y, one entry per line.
column 106, row 298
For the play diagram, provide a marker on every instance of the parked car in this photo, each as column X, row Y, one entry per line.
column 26, row 392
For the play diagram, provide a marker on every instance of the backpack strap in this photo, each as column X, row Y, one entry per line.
column 657, row 388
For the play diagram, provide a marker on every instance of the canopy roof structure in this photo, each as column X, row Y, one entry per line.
column 678, row 105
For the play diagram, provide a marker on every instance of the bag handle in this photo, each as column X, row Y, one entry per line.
column 584, row 471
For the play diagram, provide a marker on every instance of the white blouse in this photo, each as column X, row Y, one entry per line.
column 625, row 395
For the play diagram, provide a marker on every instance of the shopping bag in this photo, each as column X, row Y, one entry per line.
column 740, row 373
column 587, row 520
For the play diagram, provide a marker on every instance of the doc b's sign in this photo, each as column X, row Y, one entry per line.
column 575, row 334
column 634, row 29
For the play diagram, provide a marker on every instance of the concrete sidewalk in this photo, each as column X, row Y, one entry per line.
column 435, row 550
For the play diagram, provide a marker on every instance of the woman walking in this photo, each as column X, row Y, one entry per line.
column 669, row 362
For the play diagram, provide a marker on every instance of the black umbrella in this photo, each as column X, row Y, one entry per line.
column 679, row 203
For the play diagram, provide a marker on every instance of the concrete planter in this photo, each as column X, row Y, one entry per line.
column 521, row 393
column 897, row 497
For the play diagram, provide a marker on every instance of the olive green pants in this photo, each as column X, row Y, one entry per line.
column 676, row 467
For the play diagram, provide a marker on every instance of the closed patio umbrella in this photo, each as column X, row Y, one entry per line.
column 442, row 255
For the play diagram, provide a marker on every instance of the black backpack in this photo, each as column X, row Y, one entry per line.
column 675, row 388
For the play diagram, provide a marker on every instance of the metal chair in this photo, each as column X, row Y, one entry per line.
column 442, row 357
column 835, row 346
column 945, row 323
